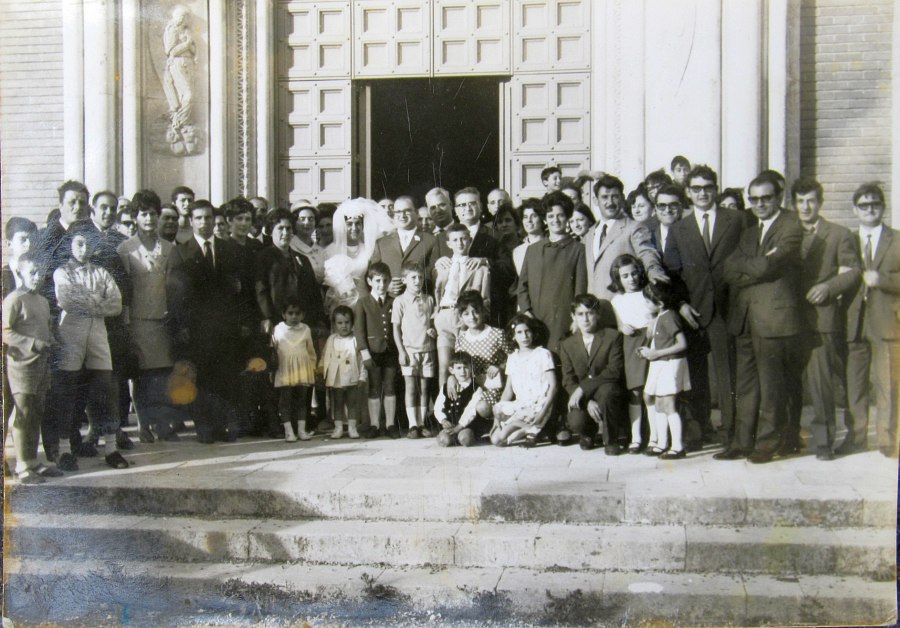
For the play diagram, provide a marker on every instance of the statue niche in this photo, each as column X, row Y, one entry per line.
column 182, row 135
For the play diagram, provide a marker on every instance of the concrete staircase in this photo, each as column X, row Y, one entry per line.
column 408, row 532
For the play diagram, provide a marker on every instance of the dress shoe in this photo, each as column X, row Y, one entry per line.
column 116, row 461
column 674, row 455
column 761, row 456
column 424, row 432
column 850, row 446
column 586, row 443
column 634, row 448
column 146, row 436
column 824, row 453
column 123, row 441
column 564, row 438
column 67, row 462
column 372, row 432
column 412, row 433
column 47, row 472
column 730, row 454
column 393, row 431
column 654, row 451
column 613, row 450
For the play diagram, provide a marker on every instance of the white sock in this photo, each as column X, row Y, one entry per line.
column 634, row 413
column 288, row 430
column 338, row 429
column 351, row 429
column 651, row 419
column 390, row 410
column 302, row 434
column 374, row 412
column 662, row 431
column 110, row 444
column 412, row 413
column 674, row 421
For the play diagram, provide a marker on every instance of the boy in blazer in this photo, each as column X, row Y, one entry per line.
column 873, row 326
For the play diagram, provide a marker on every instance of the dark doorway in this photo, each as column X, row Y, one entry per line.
column 434, row 132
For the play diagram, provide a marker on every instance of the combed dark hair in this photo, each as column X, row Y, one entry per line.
column 673, row 189
column 554, row 199
column 460, row 357
column 680, row 160
column 101, row 194
column 237, row 206
column 532, row 323
column 588, row 300
column 704, row 172
column 470, row 298
column 379, row 268
column 662, row 294
column 657, row 177
column 762, row 179
column 535, row 205
column 72, row 186
column 19, row 224
column 293, row 300
column 736, row 193
column 634, row 195
column 585, row 211
column 277, row 215
column 454, row 228
column 609, row 182
column 346, row 310
column 871, row 187
column 410, row 266
column 620, row 262
column 546, row 172
column 145, row 200
column 503, row 209
column 181, row 189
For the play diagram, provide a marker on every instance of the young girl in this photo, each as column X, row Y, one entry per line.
column 531, row 384
column 633, row 316
column 668, row 373
column 488, row 346
column 296, row 374
column 342, row 365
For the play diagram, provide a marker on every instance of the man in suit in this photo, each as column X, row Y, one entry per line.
column 669, row 210
column 830, row 269
column 407, row 244
column 439, row 208
column 615, row 234
column 467, row 203
column 873, row 327
column 209, row 325
column 765, row 318
column 696, row 251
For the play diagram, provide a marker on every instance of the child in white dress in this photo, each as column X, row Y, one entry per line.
column 633, row 317
column 342, row 366
column 668, row 372
column 527, row 399
column 296, row 374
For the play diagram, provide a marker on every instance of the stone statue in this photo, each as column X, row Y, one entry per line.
column 178, row 82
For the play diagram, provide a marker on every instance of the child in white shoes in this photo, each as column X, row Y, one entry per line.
column 342, row 366
column 296, row 374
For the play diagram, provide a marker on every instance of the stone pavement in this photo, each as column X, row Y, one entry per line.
column 694, row 541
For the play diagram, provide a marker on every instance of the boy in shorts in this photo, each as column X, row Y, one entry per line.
column 462, row 418
column 414, row 336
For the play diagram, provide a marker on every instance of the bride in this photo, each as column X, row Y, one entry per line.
column 358, row 223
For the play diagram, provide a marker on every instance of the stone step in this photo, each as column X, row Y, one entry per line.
column 169, row 593
column 867, row 552
column 427, row 499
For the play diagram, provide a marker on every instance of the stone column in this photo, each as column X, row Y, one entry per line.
column 131, row 97
column 265, row 101
column 783, row 108
column 100, row 92
column 892, row 200
column 73, row 89
column 742, row 93
column 218, row 100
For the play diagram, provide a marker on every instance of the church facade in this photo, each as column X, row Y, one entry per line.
column 328, row 99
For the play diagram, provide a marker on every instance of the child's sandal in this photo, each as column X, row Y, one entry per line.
column 634, row 448
column 654, row 451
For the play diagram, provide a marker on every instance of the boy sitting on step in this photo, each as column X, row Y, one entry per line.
column 464, row 419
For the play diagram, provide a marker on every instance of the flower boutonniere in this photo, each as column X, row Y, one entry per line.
column 416, row 238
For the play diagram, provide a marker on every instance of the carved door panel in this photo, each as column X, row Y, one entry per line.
column 316, row 139
column 471, row 36
column 318, row 37
column 549, row 124
column 551, row 35
column 392, row 38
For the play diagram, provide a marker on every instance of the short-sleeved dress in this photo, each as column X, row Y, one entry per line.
column 342, row 362
column 669, row 375
column 489, row 347
column 296, row 355
column 631, row 309
column 526, row 375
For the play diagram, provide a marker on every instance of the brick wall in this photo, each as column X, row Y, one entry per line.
column 31, row 107
column 845, row 95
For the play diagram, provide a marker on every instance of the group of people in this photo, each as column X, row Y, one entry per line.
column 586, row 316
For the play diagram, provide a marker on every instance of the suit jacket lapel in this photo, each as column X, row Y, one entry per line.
column 884, row 242
column 612, row 230
column 595, row 347
column 412, row 244
column 722, row 221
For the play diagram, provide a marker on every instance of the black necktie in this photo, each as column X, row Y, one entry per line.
column 867, row 253
column 706, row 240
column 208, row 254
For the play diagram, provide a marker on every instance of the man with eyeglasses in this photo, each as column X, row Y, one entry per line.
column 765, row 318
column 467, row 203
column 670, row 204
column 616, row 234
column 696, row 251
column 873, row 327
column 407, row 244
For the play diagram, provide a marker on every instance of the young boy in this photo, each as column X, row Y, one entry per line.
column 551, row 177
column 414, row 336
column 376, row 343
column 454, row 276
column 462, row 417
column 27, row 339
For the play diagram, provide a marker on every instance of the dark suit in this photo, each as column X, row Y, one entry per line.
column 422, row 249
column 765, row 318
column 373, row 328
column 600, row 375
column 280, row 275
column 873, row 335
column 208, row 311
column 483, row 244
column 824, row 253
column 703, row 275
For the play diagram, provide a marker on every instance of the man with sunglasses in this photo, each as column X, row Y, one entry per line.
column 765, row 318
column 873, row 327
